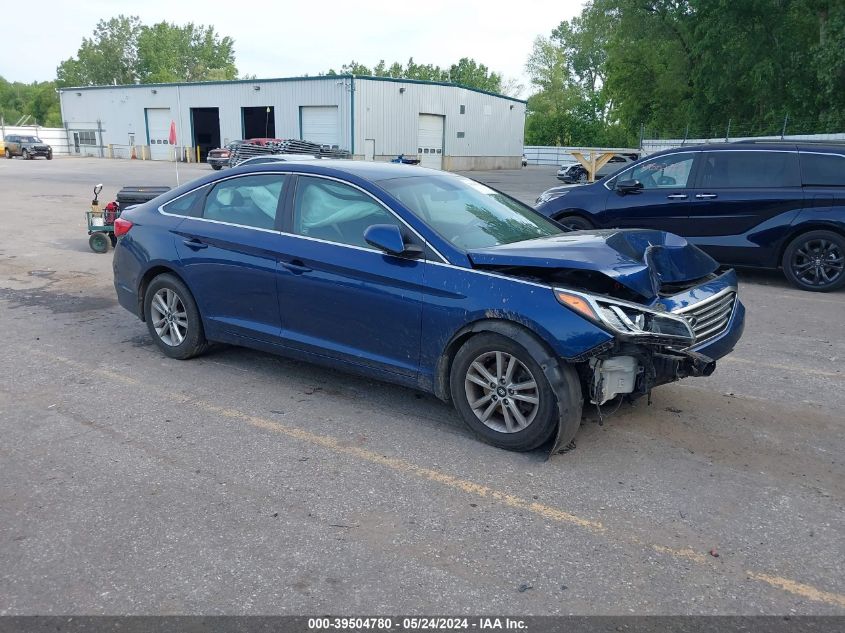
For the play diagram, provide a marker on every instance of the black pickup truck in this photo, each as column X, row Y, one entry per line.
column 26, row 147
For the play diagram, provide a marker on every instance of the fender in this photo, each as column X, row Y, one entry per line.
column 562, row 378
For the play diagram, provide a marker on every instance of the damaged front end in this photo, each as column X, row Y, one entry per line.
column 650, row 347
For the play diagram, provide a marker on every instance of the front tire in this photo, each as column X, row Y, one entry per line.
column 217, row 167
column 173, row 318
column 815, row 261
column 25, row 155
column 49, row 155
column 502, row 393
column 574, row 223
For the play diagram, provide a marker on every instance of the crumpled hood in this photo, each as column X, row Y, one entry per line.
column 640, row 259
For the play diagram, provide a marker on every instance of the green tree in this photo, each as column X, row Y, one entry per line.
column 122, row 50
column 38, row 99
column 170, row 53
column 466, row 72
column 109, row 57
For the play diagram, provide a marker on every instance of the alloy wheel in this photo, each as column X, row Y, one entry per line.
column 502, row 392
column 818, row 262
column 169, row 317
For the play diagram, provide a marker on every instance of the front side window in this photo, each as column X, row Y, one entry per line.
column 249, row 201
column 467, row 213
column 333, row 211
column 665, row 172
column 823, row 170
column 748, row 170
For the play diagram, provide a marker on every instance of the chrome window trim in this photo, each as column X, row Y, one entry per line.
column 295, row 173
column 619, row 173
column 377, row 201
column 823, row 153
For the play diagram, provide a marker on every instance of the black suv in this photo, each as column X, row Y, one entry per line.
column 761, row 205
column 26, row 147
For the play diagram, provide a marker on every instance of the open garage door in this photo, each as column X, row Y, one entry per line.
column 206, row 125
column 259, row 122
column 430, row 140
column 320, row 124
column 158, row 132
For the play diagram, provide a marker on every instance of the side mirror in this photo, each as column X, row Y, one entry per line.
column 388, row 238
column 629, row 186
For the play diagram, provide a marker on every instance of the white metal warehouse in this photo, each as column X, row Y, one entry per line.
column 375, row 118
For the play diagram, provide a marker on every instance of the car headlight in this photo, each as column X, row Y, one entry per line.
column 629, row 320
column 547, row 196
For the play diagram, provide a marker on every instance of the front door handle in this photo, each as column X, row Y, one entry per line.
column 296, row 267
column 677, row 196
column 194, row 244
column 705, row 196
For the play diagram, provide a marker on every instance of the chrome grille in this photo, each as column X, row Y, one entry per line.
column 710, row 317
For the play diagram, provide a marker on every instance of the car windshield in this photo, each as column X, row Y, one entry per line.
column 467, row 213
column 30, row 139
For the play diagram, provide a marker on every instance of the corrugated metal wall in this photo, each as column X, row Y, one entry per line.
column 121, row 108
column 388, row 112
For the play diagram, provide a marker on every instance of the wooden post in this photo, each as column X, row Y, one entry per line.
column 198, row 153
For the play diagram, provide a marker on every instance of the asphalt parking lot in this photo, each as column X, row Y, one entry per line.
column 244, row 483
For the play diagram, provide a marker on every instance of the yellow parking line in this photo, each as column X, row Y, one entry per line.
column 469, row 487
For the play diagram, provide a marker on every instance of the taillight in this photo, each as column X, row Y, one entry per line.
column 121, row 227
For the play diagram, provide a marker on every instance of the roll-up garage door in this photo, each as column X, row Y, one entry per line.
column 320, row 124
column 158, row 132
column 430, row 140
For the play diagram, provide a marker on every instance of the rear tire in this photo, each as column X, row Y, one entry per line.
column 575, row 223
column 173, row 318
column 815, row 261
column 8, row 154
column 502, row 394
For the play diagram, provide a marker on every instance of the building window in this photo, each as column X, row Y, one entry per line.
column 463, row 109
column 87, row 137
column 461, row 135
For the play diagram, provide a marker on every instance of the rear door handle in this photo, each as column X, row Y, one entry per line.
column 677, row 196
column 296, row 267
column 705, row 196
column 194, row 244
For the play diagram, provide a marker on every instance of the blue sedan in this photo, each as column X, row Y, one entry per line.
column 429, row 280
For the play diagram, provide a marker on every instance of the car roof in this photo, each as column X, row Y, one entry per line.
column 366, row 170
column 753, row 145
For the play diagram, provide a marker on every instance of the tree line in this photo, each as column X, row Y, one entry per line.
column 700, row 68
column 620, row 69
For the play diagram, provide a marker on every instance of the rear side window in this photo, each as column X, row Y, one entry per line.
column 249, row 201
column 823, row 170
column 747, row 170
column 189, row 204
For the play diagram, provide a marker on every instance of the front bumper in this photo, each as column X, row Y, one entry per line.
column 218, row 162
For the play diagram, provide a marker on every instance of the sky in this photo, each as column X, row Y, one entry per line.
column 285, row 38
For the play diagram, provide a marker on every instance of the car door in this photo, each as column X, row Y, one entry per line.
column 664, row 200
column 227, row 248
column 737, row 193
column 338, row 296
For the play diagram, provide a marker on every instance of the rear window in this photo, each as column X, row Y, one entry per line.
column 747, row 170
column 823, row 170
